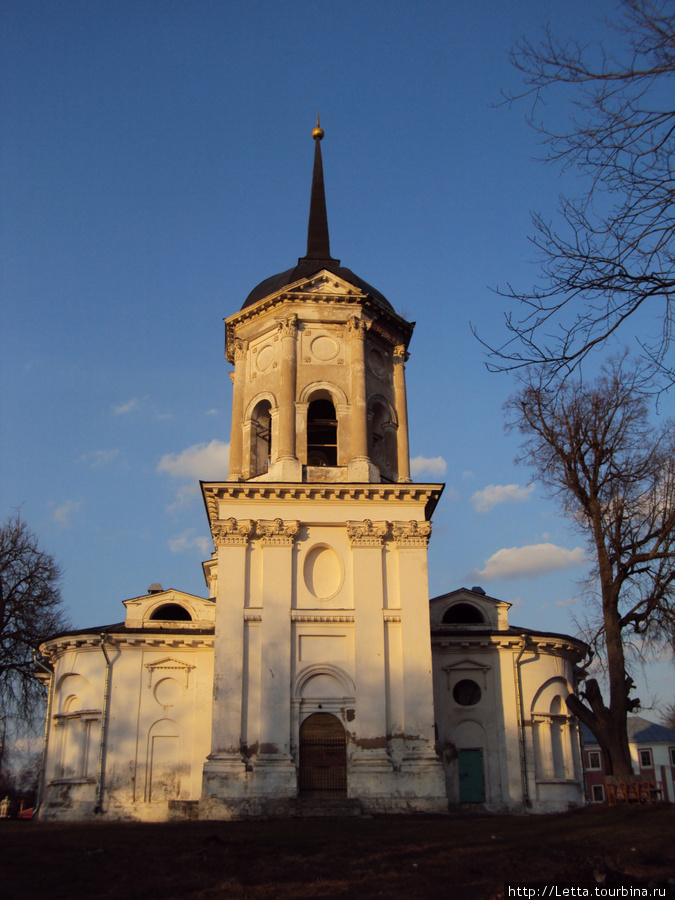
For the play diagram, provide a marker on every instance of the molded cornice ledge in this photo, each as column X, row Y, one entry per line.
column 216, row 491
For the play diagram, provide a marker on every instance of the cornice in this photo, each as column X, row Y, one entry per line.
column 558, row 645
column 291, row 297
column 215, row 491
column 56, row 647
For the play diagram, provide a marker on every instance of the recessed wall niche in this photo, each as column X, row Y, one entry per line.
column 323, row 572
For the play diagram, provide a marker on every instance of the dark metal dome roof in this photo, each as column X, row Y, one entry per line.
column 305, row 269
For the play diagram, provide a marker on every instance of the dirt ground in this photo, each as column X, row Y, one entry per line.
column 392, row 857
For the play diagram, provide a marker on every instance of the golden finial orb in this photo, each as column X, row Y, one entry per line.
column 317, row 134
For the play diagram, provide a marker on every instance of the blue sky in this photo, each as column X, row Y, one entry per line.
column 156, row 165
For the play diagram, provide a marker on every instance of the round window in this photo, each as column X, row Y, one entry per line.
column 466, row 692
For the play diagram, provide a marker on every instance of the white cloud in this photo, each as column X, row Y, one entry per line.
column 99, row 458
column 435, row 465
column 188, row 540
column 200, row 461
column 485, row 500
column 63, row 514
column 530, row 561
column 211, row 412
column 120, row 409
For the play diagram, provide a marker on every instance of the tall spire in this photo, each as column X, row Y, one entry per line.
column 318, row 244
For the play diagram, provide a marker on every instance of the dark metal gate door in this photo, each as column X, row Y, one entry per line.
column 323, row 757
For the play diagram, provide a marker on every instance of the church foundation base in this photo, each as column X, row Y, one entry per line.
column 234, row 787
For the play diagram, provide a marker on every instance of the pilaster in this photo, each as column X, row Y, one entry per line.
column 274, row 764
column 370, row 754
column 231, row 538
column 411, row 540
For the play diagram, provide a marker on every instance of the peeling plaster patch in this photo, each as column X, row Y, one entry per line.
column 378, row 743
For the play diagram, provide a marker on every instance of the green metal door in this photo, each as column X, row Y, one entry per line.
column 471, row 783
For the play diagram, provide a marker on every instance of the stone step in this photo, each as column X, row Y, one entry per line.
column 310, row 807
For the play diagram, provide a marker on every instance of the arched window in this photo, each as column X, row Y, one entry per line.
column 171, row 612
column 261, row 438
column 463, row 614
column 558, row 738
column 321, row 433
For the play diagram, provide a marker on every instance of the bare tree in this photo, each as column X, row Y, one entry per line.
column 668, row 718
column 611, row 252
column 593, row 448
column 30, row 610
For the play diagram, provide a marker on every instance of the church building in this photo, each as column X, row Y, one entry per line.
column 317, row 677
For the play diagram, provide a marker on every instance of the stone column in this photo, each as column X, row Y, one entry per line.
column 287, row 332
column 401, row 401
column 237, row 431
column 287, row 466
column 359, row 469
column 224, row 769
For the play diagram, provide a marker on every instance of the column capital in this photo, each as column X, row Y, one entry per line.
column 357, row 328
column 240, row 348
column 367, row 533
column 401, row 355
column 288, row 327
column 233, row 532
column 278, row 532
column 412, row 533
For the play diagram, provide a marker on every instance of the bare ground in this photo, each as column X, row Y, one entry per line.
column 392, row 857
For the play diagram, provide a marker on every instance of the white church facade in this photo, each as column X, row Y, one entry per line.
column 317, row 676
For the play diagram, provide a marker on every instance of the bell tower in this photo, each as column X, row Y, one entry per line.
column 319, row 381
column 320, row 565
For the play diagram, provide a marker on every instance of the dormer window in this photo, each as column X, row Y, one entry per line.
column 171, row 612
column 463, row 614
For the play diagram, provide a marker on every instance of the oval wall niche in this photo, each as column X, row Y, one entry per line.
column 265, row 358
column 323, row 572
column 324, row 348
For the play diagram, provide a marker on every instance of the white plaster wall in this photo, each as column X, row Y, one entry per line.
column 144, row 697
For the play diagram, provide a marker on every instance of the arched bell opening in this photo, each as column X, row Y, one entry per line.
column 322, row 432
column 323, row 757
column 261, row 438
column 382, row 448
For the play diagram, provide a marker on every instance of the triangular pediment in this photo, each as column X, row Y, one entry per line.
column 324, row 282
column 168, row 662
column 466, row 665
column 167, row 666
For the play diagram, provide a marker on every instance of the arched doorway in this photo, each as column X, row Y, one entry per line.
column 323, row 757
